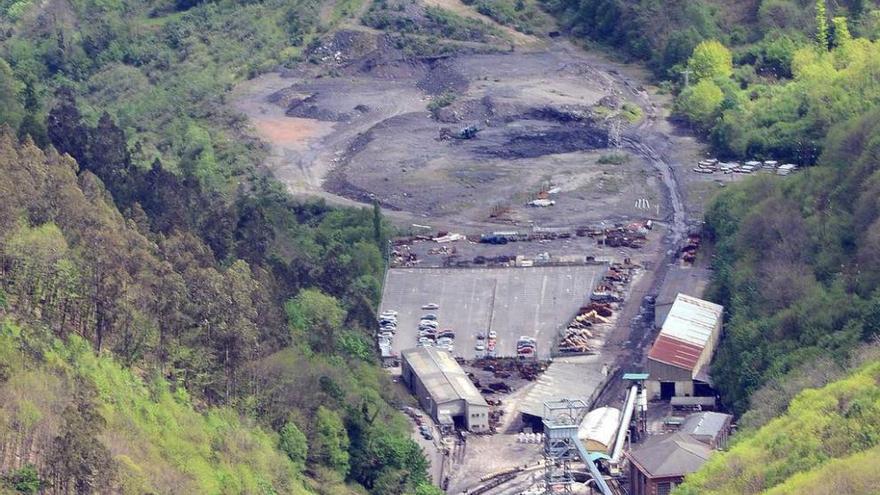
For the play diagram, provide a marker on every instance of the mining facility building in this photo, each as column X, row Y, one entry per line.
column 678, row 362
column 444, row 390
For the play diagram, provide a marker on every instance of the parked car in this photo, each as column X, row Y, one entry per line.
column 431, row 306
column 430, row 316
column 492, row 334
column 443, row 340
column 428, row 323
column 479, row 347
column 389, row 312
column 428, row 436
column 446, row 333
column 481, row 336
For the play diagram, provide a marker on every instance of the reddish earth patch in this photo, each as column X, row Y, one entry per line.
column 291, row 132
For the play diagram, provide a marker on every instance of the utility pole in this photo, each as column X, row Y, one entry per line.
column 687, row 73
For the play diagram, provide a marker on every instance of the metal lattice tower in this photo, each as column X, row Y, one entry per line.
column 561, row 421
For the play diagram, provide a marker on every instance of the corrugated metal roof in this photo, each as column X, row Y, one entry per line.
column 708, row 423
column 675, row 352
column 566, row 378
column 442, row 376
column 692, row 320
column 689, row 326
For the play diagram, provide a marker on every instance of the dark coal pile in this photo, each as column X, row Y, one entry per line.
column 557, row 139
column 307, row 108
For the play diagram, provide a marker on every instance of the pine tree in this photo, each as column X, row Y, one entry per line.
column 821, row 25
column 841, row 31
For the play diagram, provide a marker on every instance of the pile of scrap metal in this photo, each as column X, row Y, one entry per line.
column 443, row 250
column 576, row 338
column 611, row 288
column 494, row 260
column 401, row 255
column 505, row 367
column 495, row 419
column 689, row 251
column 606, row 292
column 631, row 236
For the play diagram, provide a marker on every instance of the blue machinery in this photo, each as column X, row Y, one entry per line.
column 562, row 446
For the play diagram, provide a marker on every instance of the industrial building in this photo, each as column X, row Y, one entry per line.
column 678, row 362
column 661, row 463
column 711, row 428
column 679, row 279
column 444, row 390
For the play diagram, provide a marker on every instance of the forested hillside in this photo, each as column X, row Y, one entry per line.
column 222, row 312
column 212, row 333
column 765, row 79
column 828, row 442
column 797, row 264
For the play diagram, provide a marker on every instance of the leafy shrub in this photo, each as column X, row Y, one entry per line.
column 613, row 159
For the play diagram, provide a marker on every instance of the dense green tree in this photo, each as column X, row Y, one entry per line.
column 293, row 442
column 316, row 318
column 841, row 34
column 25, row 480
column 700, row 102
column 822, row 38
column 11, row 108
column 710, row 60
column 329, row 443
column 79, row 462
column 66, row 129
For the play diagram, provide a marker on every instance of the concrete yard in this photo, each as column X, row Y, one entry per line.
column 535, row 301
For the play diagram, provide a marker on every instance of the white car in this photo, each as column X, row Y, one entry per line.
column 480, row 347
column 428, row 323
column 389, row 312
column 431, row 306
column 492, row 334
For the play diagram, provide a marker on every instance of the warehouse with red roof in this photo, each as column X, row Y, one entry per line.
column 678, row 362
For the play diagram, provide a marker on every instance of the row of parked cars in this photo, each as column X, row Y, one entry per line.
column 430, row 333
column 424, row 427
column 486, row 343
column 387, row 328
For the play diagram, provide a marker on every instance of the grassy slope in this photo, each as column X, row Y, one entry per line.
column 159, row 442
column 824, row 430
